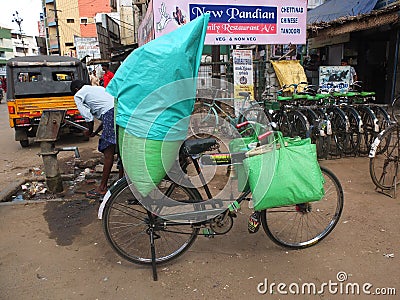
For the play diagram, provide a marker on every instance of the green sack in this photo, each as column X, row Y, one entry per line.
column 297, row 177
column 146, row 161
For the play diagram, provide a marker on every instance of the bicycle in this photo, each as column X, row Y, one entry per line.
column 282, row 114
column 206, row 121
column 384, row 155
column 142, row 235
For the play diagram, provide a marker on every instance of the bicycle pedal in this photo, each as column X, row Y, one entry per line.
column 208, row 232
column 253, row 225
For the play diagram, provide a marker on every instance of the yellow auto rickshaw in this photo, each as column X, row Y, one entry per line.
column 36, row 83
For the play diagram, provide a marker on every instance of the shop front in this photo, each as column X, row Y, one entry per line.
column 369, row 42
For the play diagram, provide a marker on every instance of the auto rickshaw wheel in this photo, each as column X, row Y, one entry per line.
column 24, row 143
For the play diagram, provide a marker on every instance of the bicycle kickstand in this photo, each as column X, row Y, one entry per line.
column 153, row 253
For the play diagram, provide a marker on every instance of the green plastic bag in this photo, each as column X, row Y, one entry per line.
column 297, row 177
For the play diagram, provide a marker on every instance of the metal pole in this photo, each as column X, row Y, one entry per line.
column 57, row 30
column 19, row 20
column 53, row 176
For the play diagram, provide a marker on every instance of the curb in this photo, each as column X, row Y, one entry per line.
column 13, row 187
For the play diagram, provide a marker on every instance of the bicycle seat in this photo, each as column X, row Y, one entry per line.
column 367, row 94
column 322, row 96
column 198, row 146
column 284, row 98
column 300, row 96
column 352, row 94
column 338, row 94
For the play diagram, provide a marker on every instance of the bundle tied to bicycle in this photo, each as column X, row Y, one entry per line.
column 154, row 91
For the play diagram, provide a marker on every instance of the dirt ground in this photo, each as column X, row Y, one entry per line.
column 57, row 249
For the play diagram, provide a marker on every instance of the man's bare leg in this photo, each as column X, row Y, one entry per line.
column 108, row 163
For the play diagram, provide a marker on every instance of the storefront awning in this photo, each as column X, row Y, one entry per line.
column 334, row 9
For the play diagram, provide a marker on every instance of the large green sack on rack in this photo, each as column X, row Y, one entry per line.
column 146, row 161
column 297, row 177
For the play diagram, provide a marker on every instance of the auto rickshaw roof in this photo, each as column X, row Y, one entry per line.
column 43, row 60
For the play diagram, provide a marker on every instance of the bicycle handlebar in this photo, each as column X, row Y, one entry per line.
column 261, row 136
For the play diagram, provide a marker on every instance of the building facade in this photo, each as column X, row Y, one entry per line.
column 369, row 41
column 67, row 20
column 6, row 47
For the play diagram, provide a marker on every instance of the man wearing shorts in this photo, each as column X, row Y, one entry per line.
column 94, row 102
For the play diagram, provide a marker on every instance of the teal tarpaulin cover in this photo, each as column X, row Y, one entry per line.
column 155, row 91
column 155, row 86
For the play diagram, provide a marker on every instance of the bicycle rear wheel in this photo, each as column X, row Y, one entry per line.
column 340, row 134
column 304, row 225
column 352, row 143
column 299, row 124
column 370, row 128
column 126, row 224
column 383, row 166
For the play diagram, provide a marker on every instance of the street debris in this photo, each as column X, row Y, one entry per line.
column 30, row 189
column 389, row 255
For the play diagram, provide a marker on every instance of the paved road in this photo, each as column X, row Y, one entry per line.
column 15, row 161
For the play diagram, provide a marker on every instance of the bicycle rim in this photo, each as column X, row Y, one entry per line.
column 284, row 123
column 304, row 225
column 126, row 223
column 300, row 124
column 323, row 143
column 339, row 134
column 352, row 142
column 383, row 167
column 369, row 133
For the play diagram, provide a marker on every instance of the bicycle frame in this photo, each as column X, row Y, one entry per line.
column 124, row 214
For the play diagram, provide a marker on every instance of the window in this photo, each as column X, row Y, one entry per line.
column 84, row 20
column 69, row 44
column 29, row 76
column 63, row 76
column 19, row 50
column 113, row 4
column 2, row 54
column 70, row 21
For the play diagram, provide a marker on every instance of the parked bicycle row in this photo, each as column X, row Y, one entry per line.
column 338, row 123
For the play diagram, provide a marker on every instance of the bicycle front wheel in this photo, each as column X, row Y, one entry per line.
column 126, row 224
column 304, row 225
column 383, row 166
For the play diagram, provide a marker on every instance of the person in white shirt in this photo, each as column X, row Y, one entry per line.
column 94, row 80
column 94, row 102
column 353, row 73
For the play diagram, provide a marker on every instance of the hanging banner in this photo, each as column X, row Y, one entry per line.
column 334, row 78
column 237, row 22
column 87, row 47
column 242, row 78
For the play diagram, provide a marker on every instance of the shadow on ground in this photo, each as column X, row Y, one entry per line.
column 65, row 219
